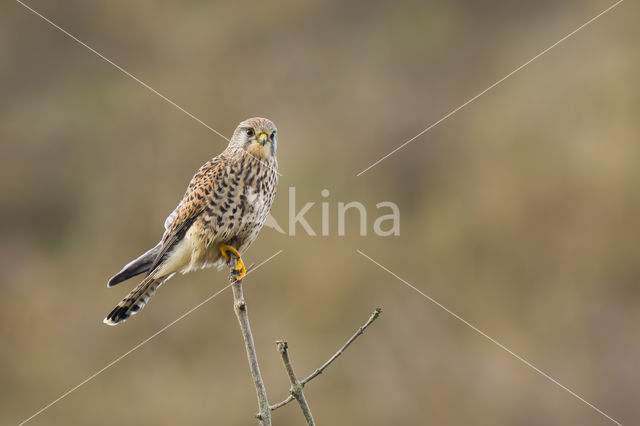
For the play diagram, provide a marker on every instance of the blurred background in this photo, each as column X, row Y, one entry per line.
column 521, row 213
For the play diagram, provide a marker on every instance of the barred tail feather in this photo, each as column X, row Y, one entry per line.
column 134, row 301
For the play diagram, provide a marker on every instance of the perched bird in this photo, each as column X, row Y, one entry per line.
column 222, row 212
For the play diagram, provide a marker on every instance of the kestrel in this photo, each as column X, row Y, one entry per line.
column 222, row 211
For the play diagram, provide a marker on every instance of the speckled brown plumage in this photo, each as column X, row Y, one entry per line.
column 226, row 203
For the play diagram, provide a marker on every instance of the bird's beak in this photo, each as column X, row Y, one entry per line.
column 263, row 138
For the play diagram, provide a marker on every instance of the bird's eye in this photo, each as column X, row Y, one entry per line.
column 250, row 132
column 273, row 135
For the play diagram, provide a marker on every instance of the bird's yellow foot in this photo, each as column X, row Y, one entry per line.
column 240, row 270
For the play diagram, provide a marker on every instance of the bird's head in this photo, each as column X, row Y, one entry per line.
column 257, row 136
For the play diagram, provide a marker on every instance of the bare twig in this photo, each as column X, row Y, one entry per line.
column 296, row 386
column 321, row 369
column 240, row 308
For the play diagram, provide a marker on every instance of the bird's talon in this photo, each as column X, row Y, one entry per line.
column 225, row 248
column 240, row 270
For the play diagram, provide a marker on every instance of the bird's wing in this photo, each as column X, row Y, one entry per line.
column 174, row 214
column 200, row 189
column 136, row 267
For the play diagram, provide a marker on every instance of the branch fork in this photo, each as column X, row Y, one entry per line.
column 296, row 391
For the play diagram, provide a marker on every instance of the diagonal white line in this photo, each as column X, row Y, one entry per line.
column 491, row 87
column 136, row 347
column 127, row 73
column 145, row 85
column 500, row 345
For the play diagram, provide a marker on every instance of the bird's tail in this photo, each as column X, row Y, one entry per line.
column 134, row 301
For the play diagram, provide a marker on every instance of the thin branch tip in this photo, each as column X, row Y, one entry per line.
column 296, row 386
column 283, row 349
column 282, row 345
column 296, row 391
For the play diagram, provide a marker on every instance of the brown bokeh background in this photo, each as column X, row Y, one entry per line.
column 521, row 213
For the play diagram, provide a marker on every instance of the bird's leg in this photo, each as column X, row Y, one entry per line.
column 240, row 270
